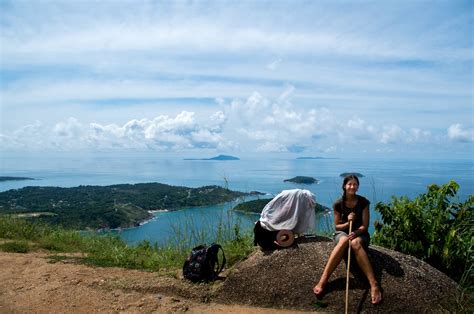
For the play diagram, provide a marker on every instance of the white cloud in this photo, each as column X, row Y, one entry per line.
column 271, row 147
column 71, row 128
column 272, row 66
column 254, row 124
column 161, row 133
column 416, row 135
column 391, row 134
column 359, row 129
column 457, row 133
column 279, row 125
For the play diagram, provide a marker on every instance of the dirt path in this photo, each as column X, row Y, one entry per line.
column 34, row 283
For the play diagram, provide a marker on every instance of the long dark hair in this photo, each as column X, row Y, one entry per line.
column 344, row 182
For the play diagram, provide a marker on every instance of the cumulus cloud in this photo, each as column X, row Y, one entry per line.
column 416, row 135
column 457, row 133
column 160, row 133
column 359, row 129
column 71, row 128
column 254, row 124
column 391, row 134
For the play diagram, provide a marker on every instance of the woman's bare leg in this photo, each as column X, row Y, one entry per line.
column 334, row 260
column 366, row 267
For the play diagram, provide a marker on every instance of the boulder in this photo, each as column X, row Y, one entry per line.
column 285, row 278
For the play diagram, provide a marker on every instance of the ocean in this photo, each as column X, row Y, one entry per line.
column 382, row 178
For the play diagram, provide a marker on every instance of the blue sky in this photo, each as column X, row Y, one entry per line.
column 303, row 78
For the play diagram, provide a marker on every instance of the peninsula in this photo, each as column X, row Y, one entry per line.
column 113, row 206
column 256, row 206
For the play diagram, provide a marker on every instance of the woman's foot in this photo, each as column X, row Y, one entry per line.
column 318, row 290
column 376, row 294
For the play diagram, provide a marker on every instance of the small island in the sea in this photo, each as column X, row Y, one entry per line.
column 220, row 157
column 317, row 157
column 5, row 178
column 302, row 180
column 357, row 174
column 256, row 206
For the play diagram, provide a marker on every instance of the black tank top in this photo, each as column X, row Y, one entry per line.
column 344, row 211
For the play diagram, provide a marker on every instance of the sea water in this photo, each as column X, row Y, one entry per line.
column 382, row 179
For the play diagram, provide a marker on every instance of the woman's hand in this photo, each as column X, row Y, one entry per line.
column 353, row 235
column 351, row 216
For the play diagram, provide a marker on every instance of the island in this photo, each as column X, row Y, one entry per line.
column 109, row 207
column 357, row 174
column 256, row 206
column 302, row 180
column 220, row 157
column 4, row 178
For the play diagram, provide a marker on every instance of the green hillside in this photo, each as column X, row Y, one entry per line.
column 113, row 206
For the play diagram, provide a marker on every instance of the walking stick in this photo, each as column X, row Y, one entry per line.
column 348, row 266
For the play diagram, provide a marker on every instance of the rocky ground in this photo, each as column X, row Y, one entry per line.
column 284, row 279
column 267, row 282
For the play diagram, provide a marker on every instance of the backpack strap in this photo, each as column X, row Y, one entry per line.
column 216, row 247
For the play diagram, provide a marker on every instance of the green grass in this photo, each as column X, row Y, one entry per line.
column 15, row 247
column 110, row 250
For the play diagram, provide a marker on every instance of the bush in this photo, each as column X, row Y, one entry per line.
column 432, row 227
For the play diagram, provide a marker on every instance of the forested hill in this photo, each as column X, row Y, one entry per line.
column 113, row 206
column 256, row 206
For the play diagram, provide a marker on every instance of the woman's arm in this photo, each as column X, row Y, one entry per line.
column 365, row 224
column 339, row 225
column 365, row 220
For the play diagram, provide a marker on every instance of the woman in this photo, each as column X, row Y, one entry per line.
column 355, row 208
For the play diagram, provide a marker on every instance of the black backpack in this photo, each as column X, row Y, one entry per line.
column 203, row 263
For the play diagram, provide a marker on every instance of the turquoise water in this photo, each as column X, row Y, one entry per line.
column 382, row 179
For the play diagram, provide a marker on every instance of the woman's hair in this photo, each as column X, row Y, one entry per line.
column 344, row 182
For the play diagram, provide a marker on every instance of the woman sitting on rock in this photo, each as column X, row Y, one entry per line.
column 291, row 211
column 355, row 208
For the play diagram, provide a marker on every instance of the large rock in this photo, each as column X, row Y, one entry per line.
column 285, row 279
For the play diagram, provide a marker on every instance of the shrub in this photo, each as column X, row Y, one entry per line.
column 432, row 227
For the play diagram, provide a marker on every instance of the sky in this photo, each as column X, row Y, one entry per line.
column 200, row 78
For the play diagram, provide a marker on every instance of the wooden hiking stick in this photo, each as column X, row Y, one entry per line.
column 348, row 267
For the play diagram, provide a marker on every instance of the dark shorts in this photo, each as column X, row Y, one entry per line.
column 365, row 237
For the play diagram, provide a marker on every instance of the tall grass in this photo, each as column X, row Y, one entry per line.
column 110, row 250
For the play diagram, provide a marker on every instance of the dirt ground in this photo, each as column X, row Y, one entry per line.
column 34, row 282
column 278, row 281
